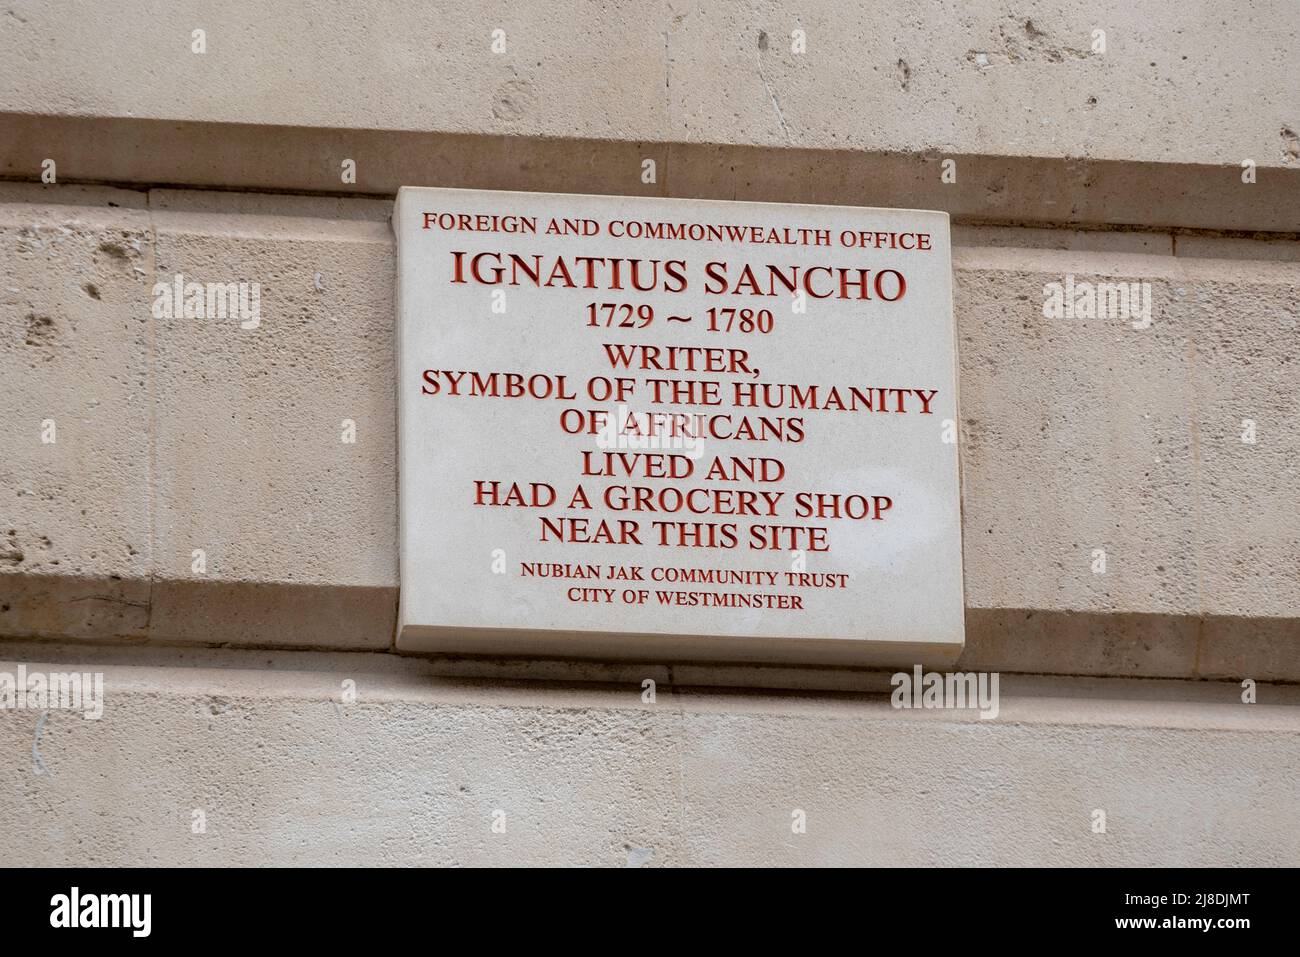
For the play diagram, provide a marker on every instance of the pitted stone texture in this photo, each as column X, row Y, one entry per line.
column 75, row 474
column 1001, row 79
column 416, row 771
column 1090, row 435
column 1245, row 369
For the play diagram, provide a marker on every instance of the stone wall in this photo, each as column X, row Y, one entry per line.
column 1122, row 688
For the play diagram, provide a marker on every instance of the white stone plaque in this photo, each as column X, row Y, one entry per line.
column 676, row 429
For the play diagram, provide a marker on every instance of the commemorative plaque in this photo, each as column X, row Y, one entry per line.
column 676, row 430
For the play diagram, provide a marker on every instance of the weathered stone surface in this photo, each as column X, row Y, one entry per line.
column 1001, row 79
column 265, row 747
column 1049, row 190
column 251, row 463
column 1077, row 435
column 1129, row 440
column 74, row 351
